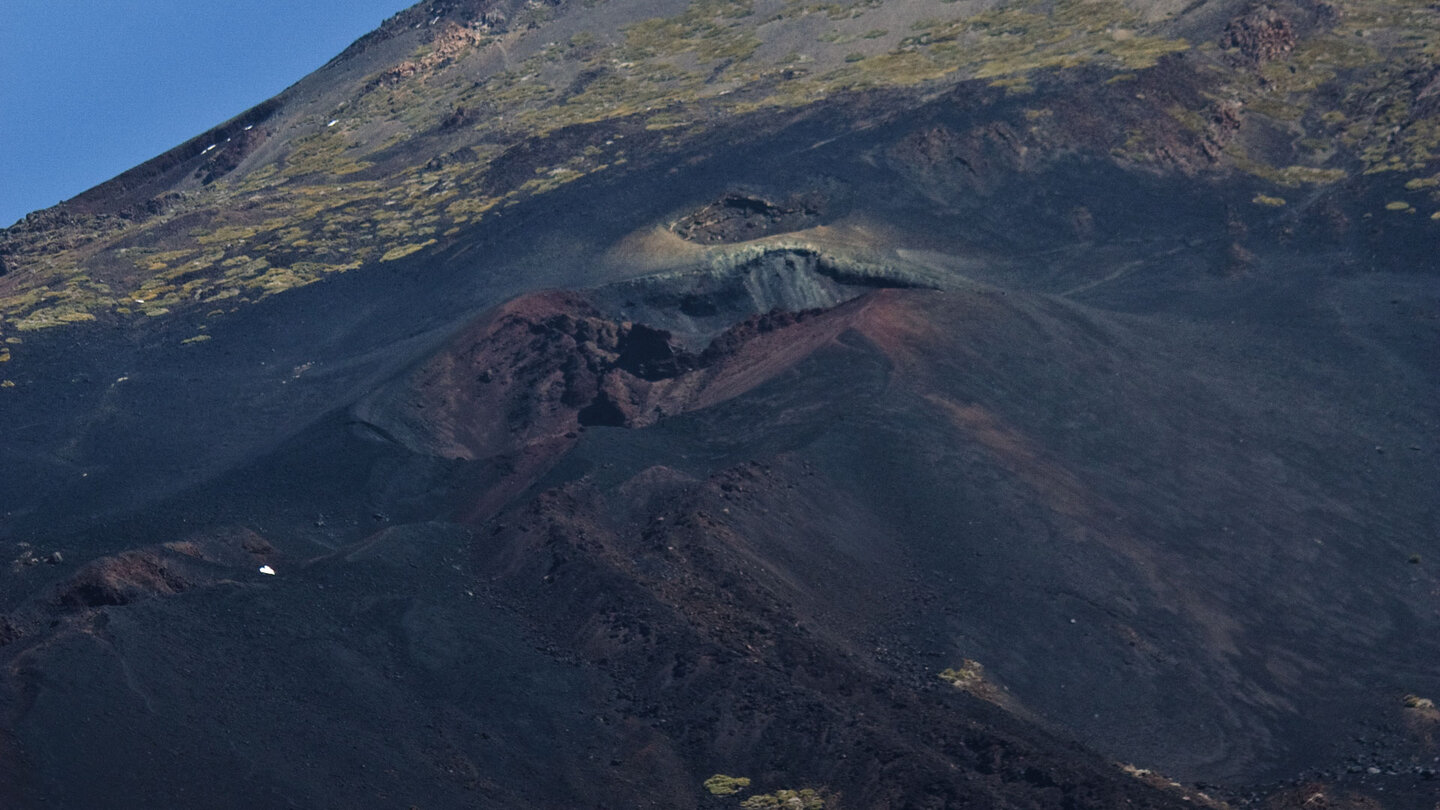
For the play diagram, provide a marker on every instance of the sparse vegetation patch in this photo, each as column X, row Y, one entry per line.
column 805, row 799
column 722, row 785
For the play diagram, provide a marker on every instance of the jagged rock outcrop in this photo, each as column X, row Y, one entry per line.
column 1263, row 35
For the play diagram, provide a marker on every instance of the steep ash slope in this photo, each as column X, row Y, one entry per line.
column 921, row 404
column 770, row 585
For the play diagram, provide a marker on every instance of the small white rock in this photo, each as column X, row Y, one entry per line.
column 267, row 570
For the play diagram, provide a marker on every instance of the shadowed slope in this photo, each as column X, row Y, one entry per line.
column 1032, row 394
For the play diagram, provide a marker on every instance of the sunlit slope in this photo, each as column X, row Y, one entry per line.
column 449, row 115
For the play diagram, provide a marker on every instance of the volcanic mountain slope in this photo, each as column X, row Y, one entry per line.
column 890, row 404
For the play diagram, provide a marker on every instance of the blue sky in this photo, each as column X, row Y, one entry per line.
column 89, row 88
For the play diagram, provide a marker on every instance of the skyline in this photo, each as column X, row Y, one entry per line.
column 122, row 82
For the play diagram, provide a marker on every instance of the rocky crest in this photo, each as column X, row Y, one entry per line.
column 1261, row 36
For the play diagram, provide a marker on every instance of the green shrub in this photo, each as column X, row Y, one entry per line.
column 722, row 785
column 806, row 799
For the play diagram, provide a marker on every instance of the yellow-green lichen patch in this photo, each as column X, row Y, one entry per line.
column 1009, row 41
column 52, row 316
column 279, row 279
column 1277, row 107
column 1289, row 176
column 1191, row 120
column 709, row 28
column 970, row 677
column 805, row 799
column 401, row 251
column 470, row 209
column 970, row 674
column 1399, row 205
column 224, row 234
column 722, row 785
column 1306, row 175
column 1267, row 200
column 195, row 339
column 1014, row 85
column 74, row 301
